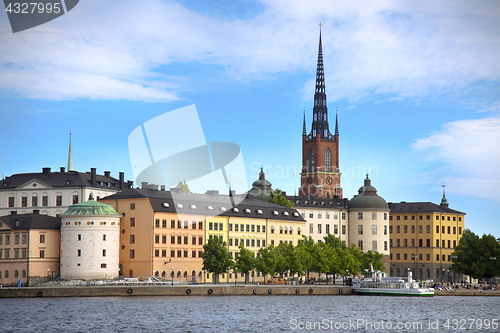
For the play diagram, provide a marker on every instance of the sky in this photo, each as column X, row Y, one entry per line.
column 416, row 86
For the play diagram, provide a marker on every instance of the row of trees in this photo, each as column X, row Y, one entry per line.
column 331, row 256
column 477, row 257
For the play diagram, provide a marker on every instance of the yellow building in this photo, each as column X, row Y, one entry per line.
column 422, row 237
column 29, row 248
column 163, row 232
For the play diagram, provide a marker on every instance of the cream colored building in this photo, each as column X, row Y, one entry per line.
column 90, row 241
column 369, row 221
column 29, row 248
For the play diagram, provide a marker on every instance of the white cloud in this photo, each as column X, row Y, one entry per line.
column 469, row 154
column 111, row 50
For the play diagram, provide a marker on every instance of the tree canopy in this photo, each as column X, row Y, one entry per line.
column 278, row 198
column 216, row 258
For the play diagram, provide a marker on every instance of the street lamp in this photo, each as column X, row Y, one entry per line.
column 172, row 276
column 414, row 257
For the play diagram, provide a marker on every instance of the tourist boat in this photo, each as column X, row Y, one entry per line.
column 376, row 283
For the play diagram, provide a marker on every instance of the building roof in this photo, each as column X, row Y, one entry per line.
column 90, row 207
column 61, row 178
column 416, row 207
column 367, row 198
column 306, row 202
column 210, row 203
column 30, row 221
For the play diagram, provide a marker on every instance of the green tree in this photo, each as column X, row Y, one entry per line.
column 278, row 198
column 216, row 258
column 466, row 254
column 372, row 258
column 245, row 261
column 267, row 261
column 306, row 248
column 184, row 187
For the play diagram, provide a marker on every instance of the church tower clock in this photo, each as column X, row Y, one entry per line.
column 320, row 175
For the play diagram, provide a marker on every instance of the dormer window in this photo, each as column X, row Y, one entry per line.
column 192, row 207
column 180, row 206
column 236, row 210
column 166, row 205
column 275, row 212
column 248, row 211
column 210, row 208
column 259, row 211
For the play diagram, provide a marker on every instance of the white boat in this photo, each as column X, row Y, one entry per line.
column 376, row 283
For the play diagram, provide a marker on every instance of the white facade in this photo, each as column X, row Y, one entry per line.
column 90, row 247
column 369, row 230
column 321, row 222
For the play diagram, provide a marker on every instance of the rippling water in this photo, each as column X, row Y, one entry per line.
column 249, row 314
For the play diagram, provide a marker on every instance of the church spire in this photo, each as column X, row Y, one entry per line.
column 304, row 127
column 320, row 112
column 70, row 155
column 336, row 123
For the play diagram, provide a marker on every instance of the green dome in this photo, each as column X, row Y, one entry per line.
column 367, row 198
column 90, row 207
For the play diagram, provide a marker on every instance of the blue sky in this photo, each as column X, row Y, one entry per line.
column 416, row 85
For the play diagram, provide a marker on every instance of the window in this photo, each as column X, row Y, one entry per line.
column 420, row 243
column 454, row 230
column 385, row 216
column 200, row 240
column 172, row 239
column 132, row 254
column 79, row 253
column 385, row 229
column 59, row 200
column 405, row 229
column 454, row 244
column 327, row 215
column 79, row 237
column 311, row 214
column 253, row 243
column 230, row 227
column 302, row 212
column 172, row 253
column 157, row 253
column 405, row 217
column 253, row 227
column 172, row 224
column 258, row 242
column 311, row 228
column 42, row 238
column 374, row 245
column 413, row 217
column 103, row 265
column 236, row 240
column 104, row 237
column 157, row 223
column 449, row 230
column 405, row 256
column 449, row 244
column 25, row 252
column 216, row 226
column 199, row 255
column 310, row 161
column 248, row 228
column 319, row 214
column 193, row 254
column 45, row 201
column 186, row 224
column 104, row 252
column 459, row 229
column 335, row 229
column 263, row 243
column 405, row 242
column 443, row 244
column 7, row 239
column 164, row 223
column 164, row 239
column 200, row 225
column 7, row 254
column 248, row 243
column 374, row 215
column 193, row 240
column 210, row 226
column 132, row 239
column 319, row 228
column 157, row 239
column 327, row 228
column 186, row 238
column 230, row 242
column 360, row 229
column 398, row 229
column 427, row 257
column 360, row 245
column 132, row 221
column 412, row 242
column 16, row 253
column 34, row 201
column 398, row 256
column 437, row 229
column 11, row 201
column 437, row 242
column 132, row 207
column 360, row 215
column 263, row 228
column 343, row 230
column 24, row 201
column 16, row 239
column 427, row 228
column 179, row 239
column 385, row 245
column 75, row 199
column 221, row 226
column 343, row 215
column 428, row 243
column 374, row 229
column 420, row 229
column 258, row 228
column 398, row 244
column 185, row 253
column 328, row 160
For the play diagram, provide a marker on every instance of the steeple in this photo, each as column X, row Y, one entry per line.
column 320, row 111
column 444, row 202
column 336, row 124
column 304, row 128
column 70, row 155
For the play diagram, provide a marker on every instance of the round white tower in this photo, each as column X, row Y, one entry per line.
column 90, row 241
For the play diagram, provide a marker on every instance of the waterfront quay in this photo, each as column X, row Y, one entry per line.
column 203, row 290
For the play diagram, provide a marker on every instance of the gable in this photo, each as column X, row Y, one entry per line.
column 33, row 184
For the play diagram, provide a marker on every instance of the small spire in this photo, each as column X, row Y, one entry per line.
column 304, row 127
column 444, row 202
column 336, row 123
column 70, row 155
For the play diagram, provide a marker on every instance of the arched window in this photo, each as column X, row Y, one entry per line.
column 157, row 273
column 16, row 273
column 199, row 274
column 310, row 161
column 172, row 274
column 328, row 160
column 163, row 274
column 178, row 274
column 185, row 274
column 6, row 274
column 398, row 272
column 193, row 273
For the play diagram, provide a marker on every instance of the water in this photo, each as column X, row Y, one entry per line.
column 249, row 314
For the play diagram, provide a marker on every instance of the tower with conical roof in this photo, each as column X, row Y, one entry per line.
column 320, row 175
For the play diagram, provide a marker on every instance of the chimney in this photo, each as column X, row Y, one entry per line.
column 212, row 192
column 162, row 187
column 63, row 169
column 122, row 179
column 144, row 185
column 92, row 176
column 46, row 170
column 176, row 190
column 107, row 174
column 130, row 184
column 36, row 211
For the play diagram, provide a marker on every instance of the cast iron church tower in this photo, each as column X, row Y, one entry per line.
column 320, row 175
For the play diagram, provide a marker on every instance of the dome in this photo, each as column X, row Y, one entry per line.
column 90, row 207
column 261, row 188
column 367, row 199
